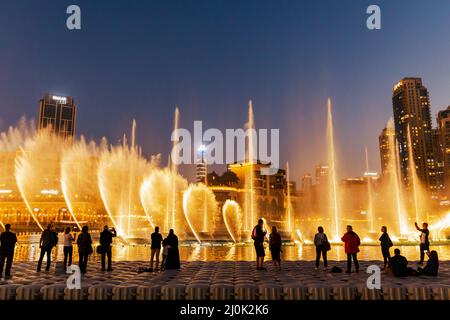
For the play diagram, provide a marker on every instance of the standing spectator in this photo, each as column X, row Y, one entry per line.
column 386, row 244
column 155, row 250
column 48, row 240
column 258, row 235
column 68, row 247
column 106, row 238
column 352, row 243
column 322, row 246
column 8, row 241
column 424, row 240
column 275, row 244
column 84, row 243
column 173, row 255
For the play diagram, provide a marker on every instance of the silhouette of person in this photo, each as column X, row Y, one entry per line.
column 84, row 243
column 48, row 240
column 8, row 242
column 386, row 244
column 155, row 250
column 173, row 257
column 352, row 243
column 258, row 235
column 106, row 239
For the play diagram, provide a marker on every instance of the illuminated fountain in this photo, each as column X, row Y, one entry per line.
column 79, row 165
column 332, row 181
column 251, row 158
column 174, row 170
column 198, row 199
column 395, row 182
column 413, row 180
column 369, row 195
column 37, row 174
column 288, row 201
column 232, row 217
column 159, row 200
column 120, row 174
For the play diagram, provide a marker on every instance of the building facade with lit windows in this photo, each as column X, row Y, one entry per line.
column 59, row 113
column 412, row 116
column 443, row 121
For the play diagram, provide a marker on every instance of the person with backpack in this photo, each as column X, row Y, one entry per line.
column 386, row 244
column 48, row 240
column 322, row 247
column 258, row 235
column 352, row 243
column 275, row 244
column 84, row 243
column 8, row 242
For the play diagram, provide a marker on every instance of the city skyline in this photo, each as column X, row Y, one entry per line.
column 288, row 81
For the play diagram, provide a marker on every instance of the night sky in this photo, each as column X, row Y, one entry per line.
column 139, row 59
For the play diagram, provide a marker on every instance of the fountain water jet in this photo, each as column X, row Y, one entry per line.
column 333, row 184
column 288, row 200
column 394, row 165
column 120, row 173
column 369, row 195
column 78, row 168
column 231, row 209
column 249, row 178
column 412, row 176
column 156, row 195
column 174, row 165
column 37, row 169
column 194, row 206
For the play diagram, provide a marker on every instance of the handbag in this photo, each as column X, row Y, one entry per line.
column 100, row 249
column 326, row 246
column 90, row 250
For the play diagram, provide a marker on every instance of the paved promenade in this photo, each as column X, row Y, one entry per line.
column 226, row 280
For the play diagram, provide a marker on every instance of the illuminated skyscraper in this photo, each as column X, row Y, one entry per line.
column 443, row 121
column 385, row 146
column 411, row 106
column 322, row 172
column 59, row 114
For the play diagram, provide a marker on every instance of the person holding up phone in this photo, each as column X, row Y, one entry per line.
column 424, row 240
column 106, row 239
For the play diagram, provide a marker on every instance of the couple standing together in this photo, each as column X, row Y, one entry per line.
column 171, row 255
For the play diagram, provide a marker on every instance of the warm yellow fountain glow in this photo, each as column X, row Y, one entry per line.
column 120, row 174
column 195, row 198
column 333, row 184
column 159, row 200
column 232, row 217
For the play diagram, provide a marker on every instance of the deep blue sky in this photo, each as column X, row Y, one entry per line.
column 138, row 59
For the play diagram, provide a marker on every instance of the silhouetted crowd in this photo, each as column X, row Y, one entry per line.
column 397, row 265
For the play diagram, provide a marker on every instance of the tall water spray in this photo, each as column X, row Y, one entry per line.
column 232, row 217
column 157, row 197
column 333, row 184
column 251, row 159
column 394, row 170
column 174, row 169
column 413, row 179
column 369, row 195
column 121, row 170
column 288, row 200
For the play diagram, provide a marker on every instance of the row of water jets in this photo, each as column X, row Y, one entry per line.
column 139, row 193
